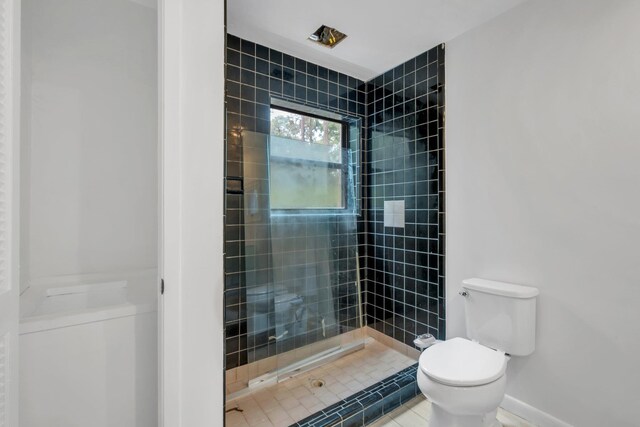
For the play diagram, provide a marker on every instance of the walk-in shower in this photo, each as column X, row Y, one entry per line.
column 320, row 286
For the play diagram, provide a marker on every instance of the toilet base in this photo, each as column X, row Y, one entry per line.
column 442, row 418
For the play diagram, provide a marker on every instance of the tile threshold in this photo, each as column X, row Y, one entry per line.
column 369, row 404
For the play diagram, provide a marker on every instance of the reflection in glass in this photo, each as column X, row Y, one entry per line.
column 299, row 234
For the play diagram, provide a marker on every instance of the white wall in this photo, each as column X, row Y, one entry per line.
column 192, row 108
column 98, row 374
column 543, row 188
column 89, row 143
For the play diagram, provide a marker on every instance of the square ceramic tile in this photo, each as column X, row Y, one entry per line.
column 417, row 412
column 297, row 398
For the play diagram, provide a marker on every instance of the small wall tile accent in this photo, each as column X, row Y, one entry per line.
column 394, row 213
column 371, row 403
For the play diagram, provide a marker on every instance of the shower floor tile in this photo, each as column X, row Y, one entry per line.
column 417, row 412
column 294, row 399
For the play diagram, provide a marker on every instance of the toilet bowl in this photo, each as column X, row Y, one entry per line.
column 465, row 379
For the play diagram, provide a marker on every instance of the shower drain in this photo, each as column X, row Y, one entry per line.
column 317, row 383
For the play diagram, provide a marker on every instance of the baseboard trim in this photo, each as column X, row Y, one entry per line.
column 531, row 414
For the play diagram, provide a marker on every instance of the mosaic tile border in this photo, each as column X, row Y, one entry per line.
column 369, row 404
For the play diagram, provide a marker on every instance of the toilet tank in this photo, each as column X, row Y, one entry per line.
column 501, row 315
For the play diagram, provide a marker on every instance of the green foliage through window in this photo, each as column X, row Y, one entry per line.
column 305, row 128
column 306, row 170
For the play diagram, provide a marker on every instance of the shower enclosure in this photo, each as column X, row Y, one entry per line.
column 292, row 206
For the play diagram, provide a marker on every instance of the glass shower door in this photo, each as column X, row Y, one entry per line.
column 317, row 310
column 313, row 222
column 301, row 293
column 259, row 295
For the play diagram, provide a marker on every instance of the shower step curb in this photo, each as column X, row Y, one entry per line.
column 366, row 406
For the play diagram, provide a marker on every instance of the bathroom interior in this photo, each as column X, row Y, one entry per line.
column 284, row 213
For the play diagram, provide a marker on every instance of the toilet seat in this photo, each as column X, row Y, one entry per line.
column 462, row 363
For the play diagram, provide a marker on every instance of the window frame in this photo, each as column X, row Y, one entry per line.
column 303, row 110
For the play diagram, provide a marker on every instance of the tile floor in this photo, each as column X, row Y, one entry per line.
column 292, row 400
column 417, row 412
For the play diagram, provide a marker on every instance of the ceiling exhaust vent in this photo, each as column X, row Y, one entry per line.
column 327, row 36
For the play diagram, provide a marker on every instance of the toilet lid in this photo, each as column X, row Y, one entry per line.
column 460, row 362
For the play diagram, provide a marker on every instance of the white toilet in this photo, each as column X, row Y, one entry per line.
column 465, row 379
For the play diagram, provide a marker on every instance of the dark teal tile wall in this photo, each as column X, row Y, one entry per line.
column 402, row 111
column 405, row 161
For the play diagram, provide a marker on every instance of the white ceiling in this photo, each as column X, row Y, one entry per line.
column 381, row 33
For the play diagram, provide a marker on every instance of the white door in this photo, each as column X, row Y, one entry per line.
column 9, row 149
